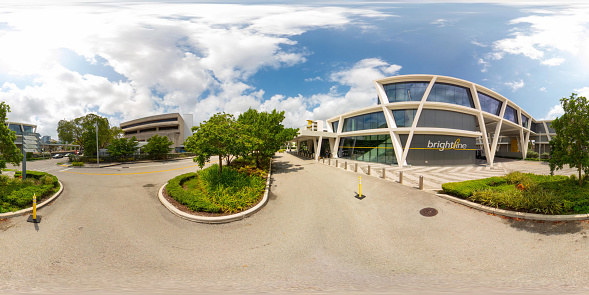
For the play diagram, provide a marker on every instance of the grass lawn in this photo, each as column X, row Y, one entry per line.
column 525, row 192
column 236, row 190
column 16, row 194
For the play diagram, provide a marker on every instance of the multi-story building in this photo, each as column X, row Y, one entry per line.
column 174, row 126
column 25, row 134
column 429, row 120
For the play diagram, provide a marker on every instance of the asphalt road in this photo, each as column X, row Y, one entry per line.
column 108, row 233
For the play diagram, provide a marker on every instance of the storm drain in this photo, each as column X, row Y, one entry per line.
column 152, row 185
column 428, row 212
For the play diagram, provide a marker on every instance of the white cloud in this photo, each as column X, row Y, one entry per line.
column 564, row 30
column 484, row 63
column 582, row 91
column 515, row 85
column 554, row 112
column 543, row 89
column 553, row 61
column 440, row 23
column 323, row 106
column 313, row 79
column 189, row 58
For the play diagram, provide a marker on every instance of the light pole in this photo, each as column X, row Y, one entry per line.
column 24, row 158
column 97, row 151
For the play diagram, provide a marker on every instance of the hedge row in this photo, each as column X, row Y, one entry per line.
column 16, row 194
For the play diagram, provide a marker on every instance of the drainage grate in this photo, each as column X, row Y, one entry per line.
column 428, row 212
column 149, row 185
column 297, row 165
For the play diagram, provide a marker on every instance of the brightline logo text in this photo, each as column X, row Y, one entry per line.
column 441, row 146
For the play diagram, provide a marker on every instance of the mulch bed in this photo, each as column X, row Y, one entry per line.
column 185, row 209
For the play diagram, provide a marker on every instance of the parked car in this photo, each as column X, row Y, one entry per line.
column 57, row 156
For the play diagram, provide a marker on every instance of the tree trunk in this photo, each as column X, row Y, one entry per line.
column 580, row 179
column 220, row 165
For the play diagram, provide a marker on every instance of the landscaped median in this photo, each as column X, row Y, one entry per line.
column 16, row 195
column 205, row 196
column 524, row 195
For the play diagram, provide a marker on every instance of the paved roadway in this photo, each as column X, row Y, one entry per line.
column 109, row 233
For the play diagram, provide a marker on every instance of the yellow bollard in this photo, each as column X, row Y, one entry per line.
column 35, row 206
column 34, row 218
column 360, row 186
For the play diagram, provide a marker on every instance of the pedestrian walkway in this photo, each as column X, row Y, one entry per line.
column 435, row 176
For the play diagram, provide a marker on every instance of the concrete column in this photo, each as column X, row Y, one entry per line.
column 318, row 143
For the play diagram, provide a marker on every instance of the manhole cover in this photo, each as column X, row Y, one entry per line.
column 428, row 212
column 152, row 185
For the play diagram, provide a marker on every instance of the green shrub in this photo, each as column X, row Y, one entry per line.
column 465, row 189
column 16, row 194
column 545, row 155
column 206, row 191
column 78, row 164
column 532, row 154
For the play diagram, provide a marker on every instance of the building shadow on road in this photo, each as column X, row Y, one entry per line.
column 548, row 228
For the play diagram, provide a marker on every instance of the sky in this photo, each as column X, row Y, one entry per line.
column 313, row 59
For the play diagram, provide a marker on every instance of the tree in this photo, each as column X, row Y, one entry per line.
column 82, row 131
column 158, row 146
column 264, row 133
column 571, row 143
column 121, row 147
column 217, row 136
column 9, row 153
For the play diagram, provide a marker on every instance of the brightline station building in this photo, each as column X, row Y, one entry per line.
column 428, row 120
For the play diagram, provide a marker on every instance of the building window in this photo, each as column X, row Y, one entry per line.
column 334, row 125
column 447, row 119
column 169, row 128
column 131, row 132
column 451, row 94
column 147, row 130
column 15, row 128
column 369, row 148
column 151, row 122
column 364, row 122
column 538, row 127
column 408, row 91
column 525, row 121
column 404, row 118
column 27, row 128
column 489, row 104
column 511, row 114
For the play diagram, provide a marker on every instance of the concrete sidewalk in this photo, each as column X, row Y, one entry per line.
column 435, row 176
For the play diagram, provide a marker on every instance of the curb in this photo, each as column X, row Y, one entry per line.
column 219, row 219
column 515, row 214
column 30, row 209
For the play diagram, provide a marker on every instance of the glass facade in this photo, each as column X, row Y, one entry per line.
column 511, row 114
column 525, row 121
column 15, row 128
column 447, row 119
column 538, row 127
column 407, row 91
column 366, row 121
column 451, row 94
column 489, row 104
column 334, row 125
column 404, row 118
column 370, row 148
column 27, row 128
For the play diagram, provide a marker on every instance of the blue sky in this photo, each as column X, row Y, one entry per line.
column 314, row 60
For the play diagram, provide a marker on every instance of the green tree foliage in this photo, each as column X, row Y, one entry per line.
column 82, row 131
column 571, row 143
column 158, row 146
column 217, row 136
column 263, row 133
column 9, row 153
column 121, row 147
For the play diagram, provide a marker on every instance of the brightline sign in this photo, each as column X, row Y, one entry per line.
column 441, row 146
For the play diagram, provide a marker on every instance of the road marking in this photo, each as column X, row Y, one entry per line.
column 65, row 170
column 133, row 173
